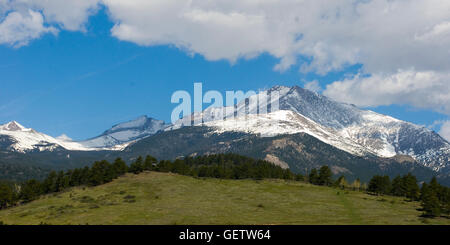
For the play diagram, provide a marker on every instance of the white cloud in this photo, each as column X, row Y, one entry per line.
column 208, row 28
column 18, row 29
column 313, row 86
column 384, row 35
column 24, row 20
column 4, row 6
column 429, row 90
column 69, row 14
column 445, row 130
column 403, row 44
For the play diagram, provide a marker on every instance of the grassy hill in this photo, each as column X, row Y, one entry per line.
column 161, row 198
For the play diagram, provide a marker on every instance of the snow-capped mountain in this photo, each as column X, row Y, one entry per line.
column 121, row 135
column 384, row 135
column 344, row 126
column 286, row 122
column 288, row 111
column 15, row 137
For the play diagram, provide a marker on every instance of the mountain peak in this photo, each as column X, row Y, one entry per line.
column 127, row 132
column 12, row 126
column 139, row 122
column 64, row 138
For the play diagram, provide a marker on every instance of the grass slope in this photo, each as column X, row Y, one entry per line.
column 161, row 198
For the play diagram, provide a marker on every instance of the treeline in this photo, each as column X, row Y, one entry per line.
column 101, row 172
column 324, row 177
column 19, row 172
column 225, row 166
column 434, row 198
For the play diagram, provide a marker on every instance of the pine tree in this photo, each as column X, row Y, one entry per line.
column 398, row 187
column 30, row 190
column 84, row 176
column 137, row 166
column 179, row 167
column 75, row 177
column 434, row 184
column 429, row 201
column 412, row 188
column 50, row 183
column 386, row 185
column 424, row 191
column 120, row 167
column 445, row 201
column 101, row 172
column 299, row 177
column 379, row 185
column 288, row 175
column 149, row 162
column 313, row 177
column 325, row 176
column 6, row 196
column 166, row 166
column 60, row 182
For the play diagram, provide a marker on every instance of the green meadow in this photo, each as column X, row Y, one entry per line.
column 152, row 198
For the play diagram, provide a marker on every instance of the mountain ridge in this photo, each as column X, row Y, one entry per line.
column 123, row 134
column 378, row 134
column 344, row 126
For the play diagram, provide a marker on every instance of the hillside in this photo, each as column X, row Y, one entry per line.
column 161, row 198
column 300, row 152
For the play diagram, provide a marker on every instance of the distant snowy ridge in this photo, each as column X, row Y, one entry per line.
column 116, row 139
column 123, row 134
column 27, row 139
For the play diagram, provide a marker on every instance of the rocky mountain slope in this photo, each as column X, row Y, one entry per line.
column 286, row 112
column 357, row 131
column 300, row 152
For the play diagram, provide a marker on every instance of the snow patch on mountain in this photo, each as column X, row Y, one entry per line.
column 123, row 134
column 285, row 122
column 138, row 122
column 27, row 139
column 64, row 137
column 384, row 135
column 342, row 125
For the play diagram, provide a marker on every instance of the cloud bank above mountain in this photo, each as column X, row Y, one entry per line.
column 426, row 90
column 19, row 29
column 403, row 45
column 445, row 130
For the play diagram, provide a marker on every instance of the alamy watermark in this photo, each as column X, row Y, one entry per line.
column 189, row 110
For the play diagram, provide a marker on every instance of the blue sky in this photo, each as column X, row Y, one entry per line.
column 80, row 83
